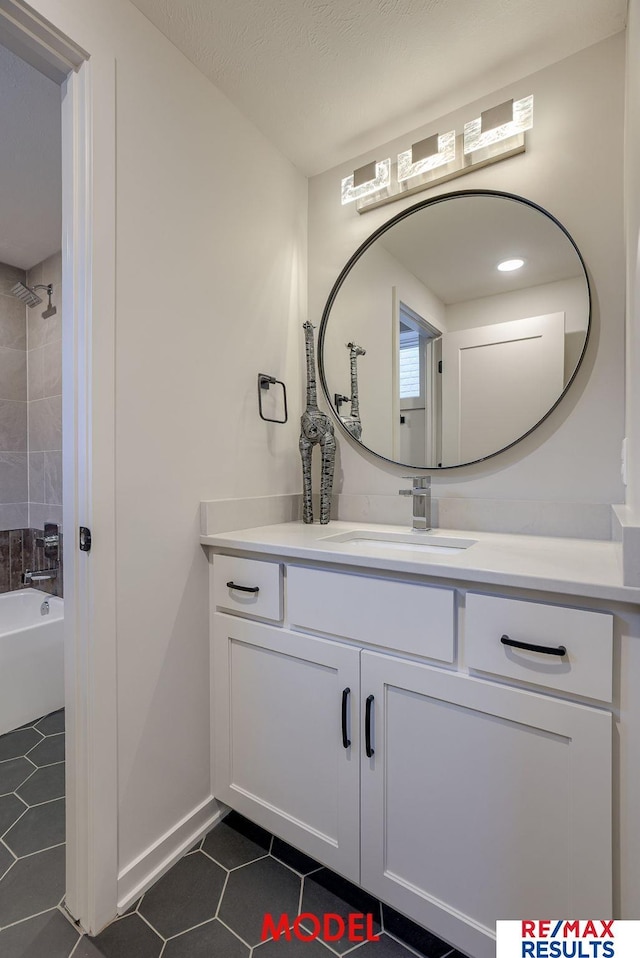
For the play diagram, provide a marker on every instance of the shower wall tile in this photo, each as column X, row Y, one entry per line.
column 19, row 551
column 45, row 424
column 35, row 373
column 16, row 558
column 14, row 515
column 13, row 426
column 35, row 558
column 40, row 512
column 52, row 369
column 44, row 382
column 13, row 477
column 39, row 330
column 53, row 478
column 36, row 476
column 4, row 561
column 13, row 331
column 9, row 276
column 13, row 373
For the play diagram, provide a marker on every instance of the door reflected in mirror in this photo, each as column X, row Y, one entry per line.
column 473, row 312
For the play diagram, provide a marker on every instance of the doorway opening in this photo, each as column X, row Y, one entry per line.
column 79, row 393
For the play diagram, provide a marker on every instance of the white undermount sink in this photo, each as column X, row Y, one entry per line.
column 410, row 541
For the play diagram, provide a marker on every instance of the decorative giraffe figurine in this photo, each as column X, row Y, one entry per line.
column 352, row 423
column 316, row 429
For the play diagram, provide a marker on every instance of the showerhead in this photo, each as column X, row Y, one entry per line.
column 26, row 294
column 30, row 298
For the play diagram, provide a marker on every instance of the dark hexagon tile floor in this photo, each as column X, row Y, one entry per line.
column 188, row 895
column 210, row 904
column 269, row 886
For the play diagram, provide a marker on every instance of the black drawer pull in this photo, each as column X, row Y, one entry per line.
column 367, row 727
column 544, row 649
column 244, row 588
column 346, row 741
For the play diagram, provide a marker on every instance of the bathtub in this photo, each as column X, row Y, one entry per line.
column 31, row 656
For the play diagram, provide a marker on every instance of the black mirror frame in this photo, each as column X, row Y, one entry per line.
column 360, row 252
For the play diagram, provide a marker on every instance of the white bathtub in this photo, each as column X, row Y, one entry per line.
column 31, row 657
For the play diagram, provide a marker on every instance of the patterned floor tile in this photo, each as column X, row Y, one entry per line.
column 186, row 896
column 11, row 808
column 44, row 785
column 206, row 941
column 129, row 937
column 327, row 893
column 33, row 885
column 46, row 936
column 18, row 743
column 13, row 773
column 40, row 827
column 6, row 859
column 49, row 751
column 419, row 938
column 231, row 848
column 292, row 949
column 385, row 948
column 51, row 724
column 269, row 887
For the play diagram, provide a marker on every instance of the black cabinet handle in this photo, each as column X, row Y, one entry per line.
column 544, row 649
column 244, row 588
column 367, row 726
column 346, row 741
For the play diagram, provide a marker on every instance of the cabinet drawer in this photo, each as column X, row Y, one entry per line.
column 409, row 617
column 232, row 576
column 586, row 667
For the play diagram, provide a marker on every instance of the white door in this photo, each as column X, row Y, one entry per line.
column 498, row 381
column 282, row 755
column 482, row 802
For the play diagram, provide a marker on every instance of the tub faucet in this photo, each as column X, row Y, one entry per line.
column 421, row 493
column 43, row 576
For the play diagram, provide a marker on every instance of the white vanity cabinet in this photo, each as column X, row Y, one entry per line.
column 482, row 802
column 279, row 759
column 442, row 781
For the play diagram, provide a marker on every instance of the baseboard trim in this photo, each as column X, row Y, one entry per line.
column 158, row 858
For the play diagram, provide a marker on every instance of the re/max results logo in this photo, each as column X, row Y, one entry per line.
column 564, row 938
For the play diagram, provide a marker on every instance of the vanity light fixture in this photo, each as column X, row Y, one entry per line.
column 365, row 180
column 495, row 135
column 428, row 154
column 508, row 265
column 499, row 123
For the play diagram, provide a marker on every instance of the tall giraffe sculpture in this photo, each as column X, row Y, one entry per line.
column 316, row 430
column 353, row 423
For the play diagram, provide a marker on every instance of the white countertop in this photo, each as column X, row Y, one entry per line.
column 580, row 567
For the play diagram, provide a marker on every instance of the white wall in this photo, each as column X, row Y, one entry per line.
column 632, row 224
column 210, row 260
column 566, row 295
column 363, row 312
column 573, row 168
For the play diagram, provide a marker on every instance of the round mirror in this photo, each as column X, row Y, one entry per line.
column 455, row 329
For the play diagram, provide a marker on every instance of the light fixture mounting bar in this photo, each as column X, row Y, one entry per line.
column 462, row 164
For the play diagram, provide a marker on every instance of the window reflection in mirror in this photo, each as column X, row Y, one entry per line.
column 418, row 423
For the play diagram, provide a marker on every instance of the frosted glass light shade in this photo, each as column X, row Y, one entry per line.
column 382, row 179
column 446, row 154
column 475, row 139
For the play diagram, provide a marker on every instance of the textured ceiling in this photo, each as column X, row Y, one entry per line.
column 30, row 184
column 326, row 80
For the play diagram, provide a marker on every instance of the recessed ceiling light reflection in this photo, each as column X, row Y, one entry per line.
column 510, row 264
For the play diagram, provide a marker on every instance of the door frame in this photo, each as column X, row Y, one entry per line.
column 88, row 341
